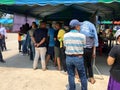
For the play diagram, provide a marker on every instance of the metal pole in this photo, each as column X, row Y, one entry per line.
column 95, row 67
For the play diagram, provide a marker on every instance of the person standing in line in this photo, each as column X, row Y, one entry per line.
column 89, row 30
column 114, row 61
column 57, row 45
column 26, row 28
column 1, row 56
column 19, row 41
column 23, row 38
column 50, row 51
column 39, row 39
column 32, row 47
column 4, row 36
column 62, row 49
column 74, row 43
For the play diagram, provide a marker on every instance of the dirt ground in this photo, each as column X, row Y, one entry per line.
column 17, row 72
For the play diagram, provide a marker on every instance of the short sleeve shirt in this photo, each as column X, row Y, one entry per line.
column 74, row 42
column 115, row 69
column 51, row 33
column 115, row 53
column 39, row 34
column 60, row 36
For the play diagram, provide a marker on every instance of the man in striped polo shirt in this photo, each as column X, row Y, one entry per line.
column 74, row 43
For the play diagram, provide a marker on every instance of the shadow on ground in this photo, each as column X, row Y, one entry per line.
column 20, row 61
column 78, row 86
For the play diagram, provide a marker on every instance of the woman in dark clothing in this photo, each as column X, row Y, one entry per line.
column 114, row 61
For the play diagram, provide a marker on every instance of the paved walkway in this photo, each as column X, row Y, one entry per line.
column 17, row 73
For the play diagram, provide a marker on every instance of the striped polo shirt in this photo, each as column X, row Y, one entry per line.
column 74, row 42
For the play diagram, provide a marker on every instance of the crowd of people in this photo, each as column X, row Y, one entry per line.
column 66, row 47
column 48, row 46
column 71, row 48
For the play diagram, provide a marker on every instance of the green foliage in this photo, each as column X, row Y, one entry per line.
column 2, row 14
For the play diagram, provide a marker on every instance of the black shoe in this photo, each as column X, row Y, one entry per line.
column 20, row 51
column 2, row 61
column 5, row 49
column 35, row 68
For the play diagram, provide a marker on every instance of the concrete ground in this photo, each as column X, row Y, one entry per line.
column 17, row 72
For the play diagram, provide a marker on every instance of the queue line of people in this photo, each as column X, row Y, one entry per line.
column 51, row 43
column 72, row 51
column 51, row 46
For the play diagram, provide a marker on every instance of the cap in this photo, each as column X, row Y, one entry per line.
column 74, row 23
column 117, row 33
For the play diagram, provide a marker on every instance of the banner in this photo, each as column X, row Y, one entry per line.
column 19, row 20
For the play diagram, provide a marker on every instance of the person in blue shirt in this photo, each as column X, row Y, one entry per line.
column 89, row 30
column 50, row 50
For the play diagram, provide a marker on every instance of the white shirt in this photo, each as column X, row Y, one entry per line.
column 3, row 31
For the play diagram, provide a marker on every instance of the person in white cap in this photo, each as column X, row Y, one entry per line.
column 74, row 43
column 114, row 61
column 117, row 34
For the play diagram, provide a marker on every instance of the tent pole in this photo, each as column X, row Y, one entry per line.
column 95, row 67
column 26, row 18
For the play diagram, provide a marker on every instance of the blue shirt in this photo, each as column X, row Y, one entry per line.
column 89, row 30
column 51, row 32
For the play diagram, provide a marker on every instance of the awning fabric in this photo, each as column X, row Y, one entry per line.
column 53, row 2
column 52, row 9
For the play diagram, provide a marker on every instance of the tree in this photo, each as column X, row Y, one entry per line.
column 2, row 14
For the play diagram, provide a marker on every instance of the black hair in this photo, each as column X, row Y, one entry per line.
column 43, row 22
column 71, row 28
column 35, row 24
column 21, row 28
column 58, row 23
column 50, row 25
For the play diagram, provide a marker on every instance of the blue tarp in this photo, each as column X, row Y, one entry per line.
column 45, row 8
column 6, row 21
column 54, row 2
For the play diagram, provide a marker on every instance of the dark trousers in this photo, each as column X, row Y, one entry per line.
column 32, row 51
column 63, row 59
column 19, row 45
column 1, row 57
column 1, row 44
column 88, row 62
column 4, row 44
